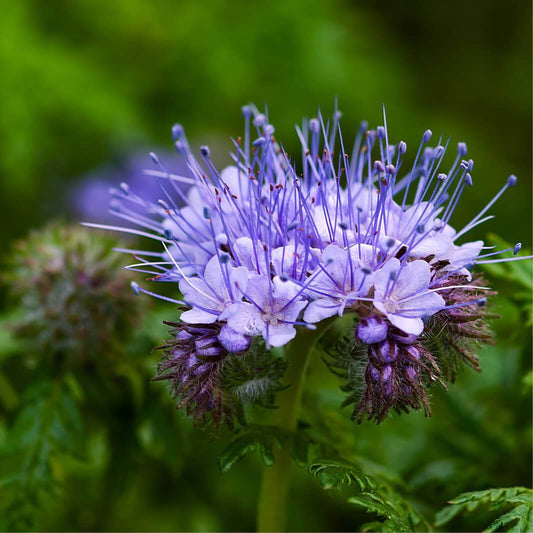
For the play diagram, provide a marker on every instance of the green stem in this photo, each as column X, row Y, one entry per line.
column 271, row 513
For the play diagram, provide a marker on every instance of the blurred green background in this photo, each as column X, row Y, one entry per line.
column 83, row 82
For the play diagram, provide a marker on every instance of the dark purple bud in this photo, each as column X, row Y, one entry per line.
column 414, row 352
column 233, row 342
column 200, row 330
column 191, row 361
column 411, row 373
column 388, row 351
column 374, row 373
column 386, row 373
column 208, row 346
column 210, row 351
column 183, row 335
column 179, row 353
column 400, row 337
column 372, row 330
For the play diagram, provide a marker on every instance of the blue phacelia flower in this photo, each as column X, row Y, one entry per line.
column 271, row 244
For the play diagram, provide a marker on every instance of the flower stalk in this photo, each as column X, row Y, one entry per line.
column 275, row 482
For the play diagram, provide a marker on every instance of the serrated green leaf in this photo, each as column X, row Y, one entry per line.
column 396, row 519
column 375, row 495
column 263, row 439
column 447, row 514
column 238, row 449
column 333, row 473
column 48, row 425
column 519, row 517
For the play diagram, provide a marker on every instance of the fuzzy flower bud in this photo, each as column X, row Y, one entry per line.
column 73, row 294
column 372, row 330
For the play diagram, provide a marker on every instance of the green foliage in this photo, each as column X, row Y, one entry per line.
column 255, row 376
column 396, row 516
column 515, row 504
column 48, row 427
column 334, row 473
column 264, row 439
column 376, row 495
column 514, row 279
column 346, row 359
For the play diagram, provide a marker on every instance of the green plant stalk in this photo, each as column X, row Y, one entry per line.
column 275, row 482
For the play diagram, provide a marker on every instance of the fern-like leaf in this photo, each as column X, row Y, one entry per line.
column 48, row 425
column 516, row 503
column 263, row 439
column 396, row 517
column 334, row 473
column 375, row 495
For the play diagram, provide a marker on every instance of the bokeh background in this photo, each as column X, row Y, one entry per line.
column 88, row 87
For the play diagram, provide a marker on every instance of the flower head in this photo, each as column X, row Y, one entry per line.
column 73, row 299
column 266, row 245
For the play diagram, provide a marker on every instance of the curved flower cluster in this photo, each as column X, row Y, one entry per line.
column 269, row 244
